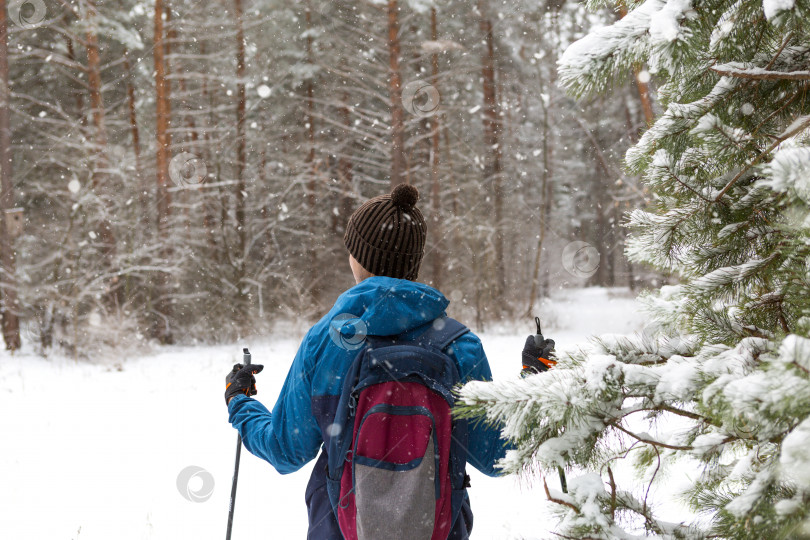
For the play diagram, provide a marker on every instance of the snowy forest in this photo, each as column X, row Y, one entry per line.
column 177, row 176
column 185, row 171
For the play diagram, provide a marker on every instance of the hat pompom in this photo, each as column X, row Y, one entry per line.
column 404, row 196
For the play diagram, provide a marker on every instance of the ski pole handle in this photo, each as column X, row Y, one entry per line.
column 245, row 356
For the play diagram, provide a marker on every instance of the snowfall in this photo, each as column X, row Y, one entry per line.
column 105, row 450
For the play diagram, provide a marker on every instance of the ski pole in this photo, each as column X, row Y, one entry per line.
column 538, row 341
column 246, row 362
column 538, row 337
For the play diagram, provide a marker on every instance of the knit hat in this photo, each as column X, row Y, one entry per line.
column 386, row 235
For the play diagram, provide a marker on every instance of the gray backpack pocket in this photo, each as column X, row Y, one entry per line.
column 397, row 498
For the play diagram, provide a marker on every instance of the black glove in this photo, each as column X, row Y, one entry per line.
column 538, row 358
column 241, row 380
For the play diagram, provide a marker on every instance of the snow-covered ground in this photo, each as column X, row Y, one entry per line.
column 93, row 451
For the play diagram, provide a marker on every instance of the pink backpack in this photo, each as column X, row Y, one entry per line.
column 397, row 456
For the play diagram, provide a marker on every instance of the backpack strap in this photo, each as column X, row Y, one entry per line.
column 441, row 333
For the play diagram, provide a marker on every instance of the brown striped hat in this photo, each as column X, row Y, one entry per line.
column 387, row 234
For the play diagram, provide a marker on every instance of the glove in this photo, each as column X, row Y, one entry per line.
column 241, row 380
column 538, row 359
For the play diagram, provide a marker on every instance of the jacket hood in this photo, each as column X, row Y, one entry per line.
column 385, row 306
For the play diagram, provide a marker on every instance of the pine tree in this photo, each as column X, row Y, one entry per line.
column 719, row 382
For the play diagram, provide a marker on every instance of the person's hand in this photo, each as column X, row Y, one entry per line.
column 538, row 358
column 241, row 380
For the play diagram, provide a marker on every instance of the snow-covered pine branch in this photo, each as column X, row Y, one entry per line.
column 719, row 381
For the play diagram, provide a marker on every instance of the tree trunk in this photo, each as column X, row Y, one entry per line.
column 603, row 205
column 174, row 65
column 143, row 188
column 310, row 113
column 492, row 143
column 395, row 96
column 644, row 96
column 162, row 307
column 545, row 210
column 311, row 166
column 454, row 189
column 10, row 305
column 435, row 194
column 71, row 54
column 345, row 172
column 136, row 139
column 209, row 198
column 133, row 119
column 642, row 86
column 241, row 194
column 106, row 236
column 601, row 233
column 100, row 164
column 189, row 136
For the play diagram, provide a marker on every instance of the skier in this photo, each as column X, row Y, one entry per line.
column 385, row 238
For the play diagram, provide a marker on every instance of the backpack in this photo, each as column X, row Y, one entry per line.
column 397, row 457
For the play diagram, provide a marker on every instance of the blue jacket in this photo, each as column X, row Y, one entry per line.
column 293, row 433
